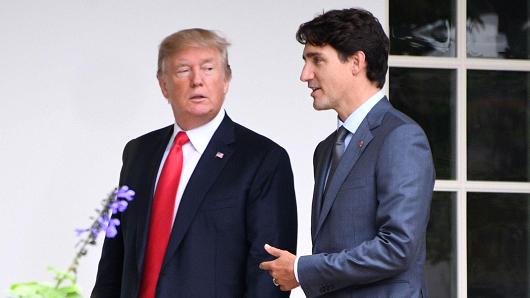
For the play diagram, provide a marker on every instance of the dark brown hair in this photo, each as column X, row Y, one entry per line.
column 348, row 31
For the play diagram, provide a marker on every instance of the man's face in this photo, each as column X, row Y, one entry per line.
column 194, row 82
column 328, row 76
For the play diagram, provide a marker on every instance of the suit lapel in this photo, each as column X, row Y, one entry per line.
column 205, row 174
column 359, row 141
column 322, row 161
column 348, row 160
column 154, row 158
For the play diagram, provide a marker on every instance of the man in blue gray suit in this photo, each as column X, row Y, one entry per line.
column 374, row 175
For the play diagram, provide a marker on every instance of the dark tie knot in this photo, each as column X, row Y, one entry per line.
column 341, row 135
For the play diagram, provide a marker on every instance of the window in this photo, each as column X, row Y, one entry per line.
column 461, row 69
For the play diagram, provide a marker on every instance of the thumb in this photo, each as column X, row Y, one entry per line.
column 273, row 250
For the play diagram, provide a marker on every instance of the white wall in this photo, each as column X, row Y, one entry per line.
column 77, row 80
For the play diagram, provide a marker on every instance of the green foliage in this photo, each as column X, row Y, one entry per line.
column 48, row 290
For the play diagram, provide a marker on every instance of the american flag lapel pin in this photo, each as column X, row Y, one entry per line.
column 219, row 154
column 361, row 143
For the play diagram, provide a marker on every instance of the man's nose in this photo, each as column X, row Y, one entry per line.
column 196, row 78
column 306, row 74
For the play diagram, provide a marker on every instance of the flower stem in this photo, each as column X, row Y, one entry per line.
column 90, row 238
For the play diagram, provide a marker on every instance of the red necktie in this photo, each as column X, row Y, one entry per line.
column 162, row 216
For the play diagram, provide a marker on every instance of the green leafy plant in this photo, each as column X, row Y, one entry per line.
column 49, row 290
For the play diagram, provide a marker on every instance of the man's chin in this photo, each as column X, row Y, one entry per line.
column 320, row 107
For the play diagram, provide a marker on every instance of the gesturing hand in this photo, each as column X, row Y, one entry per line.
column 281, row 269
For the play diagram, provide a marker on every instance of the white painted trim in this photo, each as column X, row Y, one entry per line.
column 386, row 27
column 423, row 62
column 461, row 145
column 498, row 64
column 482, row 186
column 461, row 245
column 453, row 63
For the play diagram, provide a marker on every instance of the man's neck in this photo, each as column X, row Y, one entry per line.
column 358, row 97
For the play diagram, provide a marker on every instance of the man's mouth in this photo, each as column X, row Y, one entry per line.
column 197, row 97
column 315, row 89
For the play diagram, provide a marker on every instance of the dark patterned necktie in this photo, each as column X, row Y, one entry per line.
column 338, row 150
column 336, row 154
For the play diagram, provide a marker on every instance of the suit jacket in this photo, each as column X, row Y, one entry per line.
column 230, row 208
column 369, row 236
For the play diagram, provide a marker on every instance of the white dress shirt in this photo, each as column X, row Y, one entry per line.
column 191, row 151
column 351, row 124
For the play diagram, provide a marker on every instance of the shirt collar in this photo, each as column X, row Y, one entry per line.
column 353, row 121
column 201, row 136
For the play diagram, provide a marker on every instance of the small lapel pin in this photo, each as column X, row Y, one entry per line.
column 361, row 143
column 219, row 155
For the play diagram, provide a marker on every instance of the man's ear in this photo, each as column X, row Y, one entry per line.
column 162, row 84
column 226, row 85
column 358, row 62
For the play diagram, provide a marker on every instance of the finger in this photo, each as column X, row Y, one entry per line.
column 284, row 288
column 265, row 266
column 273, row 250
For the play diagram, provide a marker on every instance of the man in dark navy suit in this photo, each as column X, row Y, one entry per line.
column 230, row 191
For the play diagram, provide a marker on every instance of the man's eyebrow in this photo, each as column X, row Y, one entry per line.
column 187, row 63
column 208, row 60
column 310, row 55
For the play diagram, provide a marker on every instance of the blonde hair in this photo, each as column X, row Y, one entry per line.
column 194, row 37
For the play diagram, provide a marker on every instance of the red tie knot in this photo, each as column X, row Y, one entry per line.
column 181, row 138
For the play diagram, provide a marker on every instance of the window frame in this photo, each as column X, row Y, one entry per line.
column 461, row 185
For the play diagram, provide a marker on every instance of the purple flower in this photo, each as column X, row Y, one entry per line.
column 79, row 232
column 95, row 233
column 117, row 201
column 111, row 230
column 103, row 222
column 125, row 193
column 118, row 206
column 109, row 226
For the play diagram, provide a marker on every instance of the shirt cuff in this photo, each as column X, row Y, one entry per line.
column 295, row 269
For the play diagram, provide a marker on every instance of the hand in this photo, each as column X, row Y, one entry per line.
column 281, row 269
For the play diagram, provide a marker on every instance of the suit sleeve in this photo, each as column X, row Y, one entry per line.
column 404, row 184
column 108, row 280
column 271, row 219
